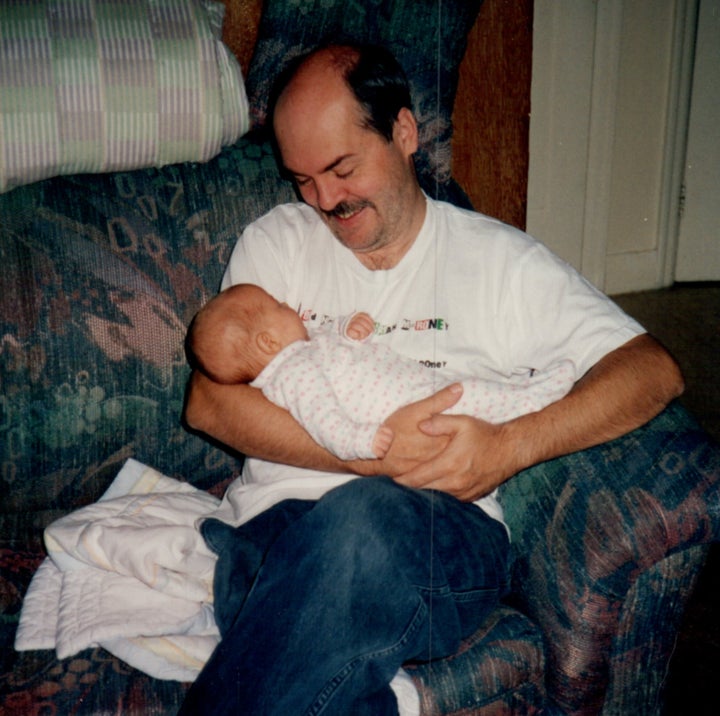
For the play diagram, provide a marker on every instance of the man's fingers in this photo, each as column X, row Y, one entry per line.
column 432, row 476
column 440, row 425
column 421, row 477
column 443, row 399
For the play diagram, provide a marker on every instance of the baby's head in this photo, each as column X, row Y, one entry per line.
column 237, row 333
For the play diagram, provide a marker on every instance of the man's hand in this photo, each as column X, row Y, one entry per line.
column 473, row 463
column 410, row 446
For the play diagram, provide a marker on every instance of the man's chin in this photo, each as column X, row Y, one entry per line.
column 352, row 237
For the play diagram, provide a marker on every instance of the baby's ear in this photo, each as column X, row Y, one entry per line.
column 267, row 343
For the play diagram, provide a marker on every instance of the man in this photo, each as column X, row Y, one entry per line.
column 370, row 575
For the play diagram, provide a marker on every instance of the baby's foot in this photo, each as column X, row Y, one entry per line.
column 382, row 441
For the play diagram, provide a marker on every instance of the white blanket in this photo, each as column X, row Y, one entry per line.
column 130, row 573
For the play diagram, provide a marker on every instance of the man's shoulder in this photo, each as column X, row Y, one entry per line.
column 461, row 224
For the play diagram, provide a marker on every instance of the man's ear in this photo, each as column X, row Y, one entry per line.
column 405, row 131
column 267, row 343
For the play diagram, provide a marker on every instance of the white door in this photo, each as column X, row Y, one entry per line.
column 698, row 257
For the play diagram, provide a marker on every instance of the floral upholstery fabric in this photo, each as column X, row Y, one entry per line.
column 606, row 545
column 509, row 679
column 101, row 275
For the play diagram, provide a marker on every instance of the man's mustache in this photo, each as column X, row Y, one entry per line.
column 346, row 208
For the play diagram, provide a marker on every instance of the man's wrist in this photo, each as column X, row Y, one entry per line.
column 520, row 440
column 363, row 468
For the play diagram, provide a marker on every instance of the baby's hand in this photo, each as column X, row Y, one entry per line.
column 382, row 441
column 359, row 327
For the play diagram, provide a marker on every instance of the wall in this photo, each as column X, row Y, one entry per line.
column 608, row 117
column 698, row 250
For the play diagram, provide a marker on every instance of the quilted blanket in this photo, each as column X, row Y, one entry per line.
column 130, row 573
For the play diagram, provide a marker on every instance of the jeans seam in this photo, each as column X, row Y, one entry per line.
column 324, row 697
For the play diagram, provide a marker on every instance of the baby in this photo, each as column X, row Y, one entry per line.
column 337, row 384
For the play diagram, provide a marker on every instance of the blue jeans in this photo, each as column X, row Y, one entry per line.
column 371, row 576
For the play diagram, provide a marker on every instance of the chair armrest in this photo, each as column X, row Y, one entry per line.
column 647, row 635
column 586, row 526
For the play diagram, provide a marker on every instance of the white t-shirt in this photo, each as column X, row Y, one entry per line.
column 472, row 296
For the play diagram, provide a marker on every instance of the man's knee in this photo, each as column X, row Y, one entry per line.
column 362, row 520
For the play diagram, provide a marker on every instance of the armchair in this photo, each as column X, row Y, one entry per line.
column 99, row 276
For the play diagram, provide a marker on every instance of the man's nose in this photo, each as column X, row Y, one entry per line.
column 329, row 193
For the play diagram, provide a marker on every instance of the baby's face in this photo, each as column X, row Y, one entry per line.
column 285, row 322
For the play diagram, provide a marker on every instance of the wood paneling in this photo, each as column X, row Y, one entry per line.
column 240, row 28
column 492, row 111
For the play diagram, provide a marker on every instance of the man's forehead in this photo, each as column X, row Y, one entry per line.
column 322, row 130
column 314, row 91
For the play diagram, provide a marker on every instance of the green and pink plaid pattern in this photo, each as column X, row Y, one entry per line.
column 107, row 85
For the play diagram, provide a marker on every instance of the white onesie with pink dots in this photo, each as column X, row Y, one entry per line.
column 341, row 390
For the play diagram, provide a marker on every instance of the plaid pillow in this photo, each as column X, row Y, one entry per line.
column 99, row 86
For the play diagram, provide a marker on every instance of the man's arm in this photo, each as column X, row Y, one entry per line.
column 240, row 417
column 624, row 390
